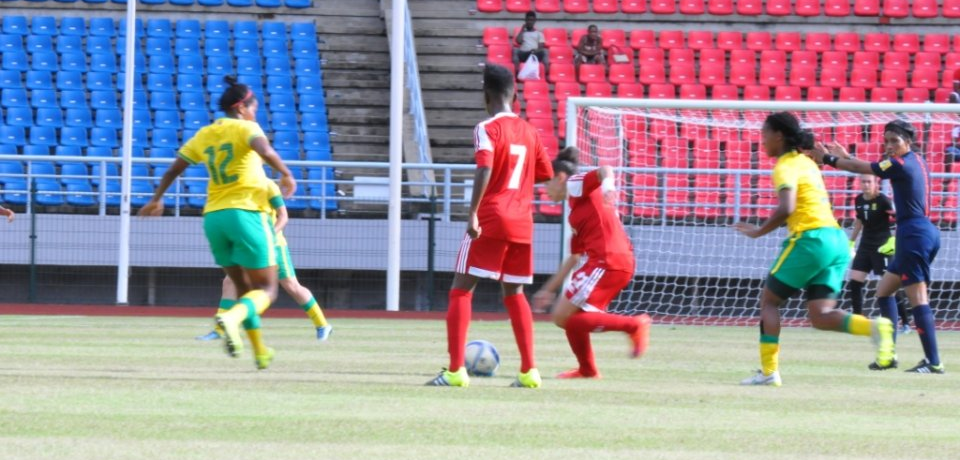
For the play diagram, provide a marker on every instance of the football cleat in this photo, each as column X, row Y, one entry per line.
column 323, row 333
column 529, row 379
column 212, row 335
column 576, row 374
column 232, row 342
column 641, row 338
column 882, row 334
column 874, row 366
column 451, row 379
column 904, row 329
column 924, row 367
column 758, row 379
column 263, row 361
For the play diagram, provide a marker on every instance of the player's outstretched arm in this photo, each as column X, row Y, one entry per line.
column 836, row 155
column 788, row 203
column 548, row 292
column 263, row 148
column 155, row 206
column 480, row 181
column 7, row 212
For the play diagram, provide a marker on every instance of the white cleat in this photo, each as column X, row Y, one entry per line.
column 763, row 380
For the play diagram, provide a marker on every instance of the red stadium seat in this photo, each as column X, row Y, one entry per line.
column 536, row 89
column 640, row 39
column 909, row 43
column 613, row 37
column 662, row 91
column 663, row 6
column 847, row 41
column 883, row 95
column 803, row 58
column 788, row 41
column 539, row 109
column 682, row 74
column 592, row 73
column 867, row 59
column 894, row 78
column 952, row 61
column 779, row 8
column 749, row 7
column 835, row 59
column 693, row 91
column 925, row 9
column 942, row 95
column 863, row 77
column 818, row 41
column 876, row 41
column 772, row 75
column 548, row 207
column 896, row 8
column 774, row 57
column 821, row 94
column 630, row 90
column 896, row 60
column 541, row 75
column 681, row 57
column 489, row 6
column 670, row 39
column 645, row 196
column 555, row 36
column 599, row 89
column 562, row 72
column 926, row 78
column 707, row 203
column 756, row 93
column 729, row 40
column 720, row 7
column 650, row 74
column 712, row 56
column 743, row 75
column 634, row 6
column 866, row 7
column 518, row 6
column 622, row 73
column 803, row 76
column 916, row 94
column 547, row 6
column 725, row 93
column 743, row 57
column 712, row 74
column 500, row 53
column 576, row 6
column 833, row 76
column 693, row 7
column 496, row 36
column 808, row 8
column 700, row 39
column 759, row 41
column 951, row 9
column 651, row 57
column 956, row 43
column 836, row 8
column 936, row 43
column 576, row 35
column 544, row 125
column 605, row 6
column 926, row 59
column 561, row 55
column 787, row 93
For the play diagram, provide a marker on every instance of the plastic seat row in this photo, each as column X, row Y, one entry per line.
column 165, row 28
column 296, row 4
column 805, row 8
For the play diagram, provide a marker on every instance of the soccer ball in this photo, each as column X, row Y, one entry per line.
column 481, row 359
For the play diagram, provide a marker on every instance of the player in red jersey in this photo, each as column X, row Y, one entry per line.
column 601, row 254
column 498, row 241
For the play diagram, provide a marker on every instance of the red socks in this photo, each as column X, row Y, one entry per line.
column 521, row 319
column 580, row 325
column 458, row 321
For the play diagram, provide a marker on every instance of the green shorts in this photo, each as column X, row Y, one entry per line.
column 240, row 237
column 815, row 260
column 285, row 266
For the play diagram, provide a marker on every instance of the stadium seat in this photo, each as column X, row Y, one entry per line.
column 16, row 60
column 807, row 8
column 700, row 40
column 788, row 41
column 219, row 65
column 216, row 47
column 39, row 79
column 906, row 42
column 10, row 79
column 896, row 8
column 78, row 117
column 109, row 118
column 165, row 138
column 312, row 103
column 273, row 30
column 835, row 59
column 73, row 62
column 591, row 73
column 162, row 64
column 630, row 90
column 759, row 41
column 489, row 6
column 681, row 74
column 720, row 7
column 10, row 43
column 684, row 56
column 924, row 9
column 303, row 31
column 883, row 95
column 633, row 6
column 39, row 44
column 622, row 73
column 249, row 66
column 876, row 41
column 833, row 77
column 12, row 135
column 729, row 40
column 787, row 93
column 893, row 78
column 662, row 91
column 743, row 57
column 15, row 25
column 926, row 59
column 936, row 43
column 693, row 91
column 314, row 122
column 652, row 74
column 188, row 83
column 916, row 94
column 282, row 103
column 78, row 170
column 640, row 39
column 749, row 7
column 743, row 75
column 651, row 57
column 306, row 66
column 779, row 8
column 670, row 39
column 598, row 89
column 756, row 93
column 712, row 56
column 102, row 62
column 20, row 116
column 866, row 59
column 924, row 78
column 561, row 73
column 712, row 74
column 517, row 6
column 951, row 9
column 576, row 6
column 309, row 83
column 48, row 193
column 836, row 8
column 772, row 75
column 613, row 38
column 13, row 97
column 102, row 27
column 50, row 117
column 818, row 41
column 663, row 6
column 73, row 136
column 866, row 7
column 495, row 36
column 103, row 137
column 850, row 94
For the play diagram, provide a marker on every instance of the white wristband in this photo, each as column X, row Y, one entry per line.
column 608, row 185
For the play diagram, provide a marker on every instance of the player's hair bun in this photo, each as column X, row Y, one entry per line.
column 566, row 161
column 806, row 140
column 230, row 80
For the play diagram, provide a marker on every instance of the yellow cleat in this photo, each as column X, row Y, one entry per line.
column 263, row 361
column 882, row 335
column 232, row 341
column 529, row 379
column 451, row 379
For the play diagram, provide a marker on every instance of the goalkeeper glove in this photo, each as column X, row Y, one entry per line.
column 853, row 249
column 889, row 247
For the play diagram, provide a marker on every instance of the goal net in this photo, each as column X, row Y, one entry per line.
column 688, row 170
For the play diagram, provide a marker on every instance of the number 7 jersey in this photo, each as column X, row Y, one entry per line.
column 511, row 148
column 235, row 169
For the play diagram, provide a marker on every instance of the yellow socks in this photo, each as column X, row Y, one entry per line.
column 857, row 324
column 313, row 311
column 256, row 341
column 259, row 299
column 769, row 354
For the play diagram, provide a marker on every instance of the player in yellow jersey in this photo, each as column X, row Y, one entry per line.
column 815, row 254
column 240, row 234
column 286, row 273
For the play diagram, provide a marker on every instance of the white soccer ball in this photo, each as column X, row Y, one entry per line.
column 481, row 358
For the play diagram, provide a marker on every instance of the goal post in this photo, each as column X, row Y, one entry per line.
column 689, row 169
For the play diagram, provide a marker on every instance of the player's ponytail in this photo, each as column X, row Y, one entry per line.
column 567, row 161
column 794, row 137
column 235, row 95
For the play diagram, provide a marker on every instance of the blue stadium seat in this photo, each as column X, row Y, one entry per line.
column 215, row 86
column 74, row 169
column 99, row 44
column 73, row 26
column 36, row 150
column 153, row 2
column 210, row 2
column 246, row 29
column 275, row 48
column 187, row 46
column 195, row 119
column 303, row 30
column 300, row 4
column 10, row 43
column 312, row 103
column 277, row 66
column 50, row 117
column 165, row 138
column 47, row 171
column 113, row 190
column 274, row 30
column 139, row 138
column 196, row 175
column 162, row 153
column 163, row 100
column 102, row 27
column 160, row 82
column 68, row 80
column 285, row 121
column 13, row 97
column 278, row 84
column 255, row 83
column 288, row 155
column 100, row 81
column 111, row 171
column 240, row 3
column 15, row 25
column 161, row 28
column 20, row 116
column 80, row 194
column 139, row 29
column 100, row 152
column 103, row 100
column 314, row 121
column 318, row 155
column 268, row 3
column 102, row 62
column 166, row 119
column 299, row 200
column 190, row 65
column 316, row 140
column 94, row 1
column 12, row 135
column 189, row 83
column 140, row 193
column 158, row 45
column 182, row 2
column 307, row 66
column 15, row 192
column 305, row 49
column 39, row 43
column 43, row 135
column 286, row 140
column 43, row 25
column 139, row 171
column 10, row 79
column 188, row 28
column 43, row 99
column 45, row 60
column 73, row 135
column 78, row 117
column 104, row 137
column 249, row 66
column 16, row 60
column 188, row 134
column 137, row 84
column 246, row 48
column 142, row 118
column 73, row 62
column 162, row 63
column 216, row 29
column 309, row 83
column 69, row 43
column 48, row 194
column 199, row 189
column 39, row 79
column 219, row 65
column 66, row 151
column 215, row 47
column 109, row 118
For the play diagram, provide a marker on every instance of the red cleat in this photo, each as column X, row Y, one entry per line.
column 576, row 374
column 641, row 338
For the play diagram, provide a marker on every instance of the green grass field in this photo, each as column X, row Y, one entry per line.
column 141, row 388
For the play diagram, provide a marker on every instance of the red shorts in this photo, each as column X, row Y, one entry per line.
column 495, row 259
column 592, row 288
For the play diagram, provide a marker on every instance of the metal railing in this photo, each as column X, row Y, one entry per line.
column 420, row 134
